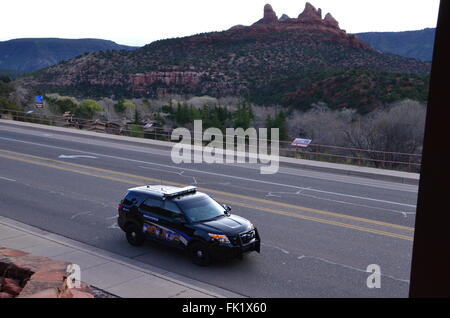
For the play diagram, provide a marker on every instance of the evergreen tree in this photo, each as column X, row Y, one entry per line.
column 243, row 116
column 137, row 117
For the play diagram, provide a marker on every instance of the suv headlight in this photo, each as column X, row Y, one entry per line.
column 219, row 238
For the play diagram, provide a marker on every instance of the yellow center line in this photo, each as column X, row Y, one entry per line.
column 52, row 163
column 310, row 218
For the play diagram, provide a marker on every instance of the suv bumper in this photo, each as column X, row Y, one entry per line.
column 223, row 252
column 237, row 248
column 121, row 221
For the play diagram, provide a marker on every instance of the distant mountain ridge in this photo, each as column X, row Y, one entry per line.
column 293, row 62
column 31, row 54
column 416, row 44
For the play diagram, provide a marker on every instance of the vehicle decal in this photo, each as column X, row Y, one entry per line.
column 151, row 218
column 166, row 233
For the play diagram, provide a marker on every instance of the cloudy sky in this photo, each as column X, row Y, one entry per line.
column 139, row 22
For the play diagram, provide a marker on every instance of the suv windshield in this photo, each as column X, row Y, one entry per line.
column 201, row 209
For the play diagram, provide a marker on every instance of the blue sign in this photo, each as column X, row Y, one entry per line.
column 39, row 99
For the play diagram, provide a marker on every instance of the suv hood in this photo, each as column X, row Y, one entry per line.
column 232, row 224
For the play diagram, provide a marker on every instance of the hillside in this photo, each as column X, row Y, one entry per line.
column 416, row 44
column 269, row 62
column 28, row 55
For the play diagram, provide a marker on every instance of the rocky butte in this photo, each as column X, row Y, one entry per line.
column 309, row 20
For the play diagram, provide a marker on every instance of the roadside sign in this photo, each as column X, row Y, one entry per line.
column 299, row 142
column 39, row 101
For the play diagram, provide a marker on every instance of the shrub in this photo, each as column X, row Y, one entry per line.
column 87, row 109
column 137, row 131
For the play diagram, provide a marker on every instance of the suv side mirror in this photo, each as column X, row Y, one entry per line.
column 226, row 207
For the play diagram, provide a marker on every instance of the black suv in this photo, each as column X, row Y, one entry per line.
column 187, row 219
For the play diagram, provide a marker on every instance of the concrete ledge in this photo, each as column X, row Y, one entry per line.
column 350, row 170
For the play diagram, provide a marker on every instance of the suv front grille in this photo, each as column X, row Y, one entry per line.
column 243, row 238
column 248, row 236
column 234, row 240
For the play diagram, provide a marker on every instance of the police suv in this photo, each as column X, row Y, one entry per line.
column 187, row 219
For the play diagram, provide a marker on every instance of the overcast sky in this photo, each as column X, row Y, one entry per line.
column 139, row 22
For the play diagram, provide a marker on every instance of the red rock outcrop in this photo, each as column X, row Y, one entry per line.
column 188, row 78
column 283, row 18
column 310, row 14
column 35, row 277
column 11, row 286
column 330, row 21
column 270, row 16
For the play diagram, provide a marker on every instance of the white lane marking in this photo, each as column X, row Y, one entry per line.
column 162, row 170
column 348, row 179
column 7, row 179
column 276, row 247
column 75, row 157
column 79, row 214
column 114, row 226
column 218, row 174
column 349, row 267
column 283, row 170
column 404, row 213
column 303, row 256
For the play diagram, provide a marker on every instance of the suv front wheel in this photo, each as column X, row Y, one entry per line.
column 134, row 235
column 200, row 254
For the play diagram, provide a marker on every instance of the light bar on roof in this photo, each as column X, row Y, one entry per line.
column 174, row 193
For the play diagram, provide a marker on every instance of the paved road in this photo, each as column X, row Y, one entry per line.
column 320, row 231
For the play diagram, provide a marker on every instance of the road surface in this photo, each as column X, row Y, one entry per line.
column 320, row 231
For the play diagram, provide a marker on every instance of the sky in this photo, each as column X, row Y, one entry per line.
column 139, row 22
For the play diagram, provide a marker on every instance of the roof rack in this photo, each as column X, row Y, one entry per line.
column 181, row 191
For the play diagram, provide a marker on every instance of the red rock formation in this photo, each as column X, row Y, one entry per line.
column 270, row 16
column 310, row 14
column 188, row 78
column 283, row 18
column 330, row 21
column 11, row 286
column 41, row 276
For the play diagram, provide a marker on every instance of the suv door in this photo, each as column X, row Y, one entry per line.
column 176, row 223
column 161, row 223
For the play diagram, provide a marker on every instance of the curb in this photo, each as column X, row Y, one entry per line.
column 112, row 257
column 349, row 170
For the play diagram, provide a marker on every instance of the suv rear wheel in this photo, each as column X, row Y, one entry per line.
column 200, row 254
column 134, row 235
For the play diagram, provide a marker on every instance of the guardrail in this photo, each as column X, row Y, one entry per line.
column 327, row 153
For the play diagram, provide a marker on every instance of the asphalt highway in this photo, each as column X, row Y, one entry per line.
column 320, row 231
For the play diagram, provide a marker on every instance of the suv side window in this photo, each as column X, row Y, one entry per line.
column 152, row 205
column 129, row 199
column 172, row 209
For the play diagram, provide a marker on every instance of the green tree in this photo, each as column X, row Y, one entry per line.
column 123, row 105
column 137, row 117
column 137, row 131
column 279, row 122
column 87, row 109
column 7, row 104
column 119, row 107
column 183, row 114
column 243, row 116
